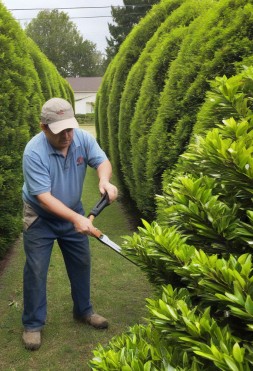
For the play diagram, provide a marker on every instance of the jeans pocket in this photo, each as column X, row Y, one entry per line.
column 29, row 216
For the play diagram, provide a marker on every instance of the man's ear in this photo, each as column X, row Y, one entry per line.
column 44, row 127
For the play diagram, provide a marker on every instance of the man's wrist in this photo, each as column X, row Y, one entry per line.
column 104, row 180
column 73, row 217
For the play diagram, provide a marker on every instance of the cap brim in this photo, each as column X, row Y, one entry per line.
column 57, row 127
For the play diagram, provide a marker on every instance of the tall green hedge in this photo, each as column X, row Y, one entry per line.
column 15, row 91
column 212, row 47
column 130, row 97
column 146, row 110
column 119, row 69
column 150, row 96
column 28, row 79
column 102, row 102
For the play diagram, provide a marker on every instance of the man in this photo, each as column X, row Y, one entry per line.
column 54, row 167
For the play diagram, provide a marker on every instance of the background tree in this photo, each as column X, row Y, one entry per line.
column 59, row 39
column 124, row 19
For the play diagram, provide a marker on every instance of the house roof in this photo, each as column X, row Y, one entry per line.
column 84, row 84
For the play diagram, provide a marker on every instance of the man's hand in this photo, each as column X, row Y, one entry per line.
column 84, row 225
column 56, row 207
column 104, row 174
column 111, row 190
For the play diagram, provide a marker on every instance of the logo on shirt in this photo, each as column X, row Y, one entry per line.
column 80, row 160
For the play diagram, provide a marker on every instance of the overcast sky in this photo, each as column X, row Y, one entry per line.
column 92, row 29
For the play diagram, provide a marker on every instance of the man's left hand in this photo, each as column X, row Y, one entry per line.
column 111, row 190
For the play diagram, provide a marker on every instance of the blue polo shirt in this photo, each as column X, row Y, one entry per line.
column 45, row 169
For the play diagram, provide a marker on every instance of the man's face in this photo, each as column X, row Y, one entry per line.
column 59, row 141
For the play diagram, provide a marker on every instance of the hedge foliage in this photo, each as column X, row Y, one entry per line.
column 138, row 109
column 198, row 253
column 153, row 90
column 116, row 74
column 28, row 79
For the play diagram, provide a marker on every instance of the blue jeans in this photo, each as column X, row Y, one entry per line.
column 38, row 243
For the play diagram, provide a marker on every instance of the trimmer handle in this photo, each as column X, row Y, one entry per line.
column 102, row 203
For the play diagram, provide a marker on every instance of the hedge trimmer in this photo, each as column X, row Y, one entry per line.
column 102, row 203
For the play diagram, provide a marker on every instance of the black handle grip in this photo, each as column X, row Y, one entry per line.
column 102, row 203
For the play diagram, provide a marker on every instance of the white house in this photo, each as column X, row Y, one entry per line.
column 85, row 91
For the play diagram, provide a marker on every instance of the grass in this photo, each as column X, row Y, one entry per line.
column 118, row 289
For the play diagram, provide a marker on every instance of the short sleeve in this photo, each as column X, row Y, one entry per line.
column 37, row 177
column 95, row 154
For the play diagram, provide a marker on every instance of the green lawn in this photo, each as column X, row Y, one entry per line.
column 119, row 290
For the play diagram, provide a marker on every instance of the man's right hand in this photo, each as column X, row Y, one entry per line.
column 84, row 225
column 56, row 207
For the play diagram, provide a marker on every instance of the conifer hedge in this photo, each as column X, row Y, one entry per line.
column 115, row 77
column 170, row 36
column 132, row 90
column 153, row 89
column 28, row 79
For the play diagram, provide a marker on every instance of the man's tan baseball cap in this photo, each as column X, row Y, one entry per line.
column 59, row 115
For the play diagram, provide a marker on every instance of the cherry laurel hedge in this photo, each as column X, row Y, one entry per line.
column 28, row 79
column 153, row 89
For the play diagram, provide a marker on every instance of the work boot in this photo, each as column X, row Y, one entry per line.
column 32, row 339
column 94, row 320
